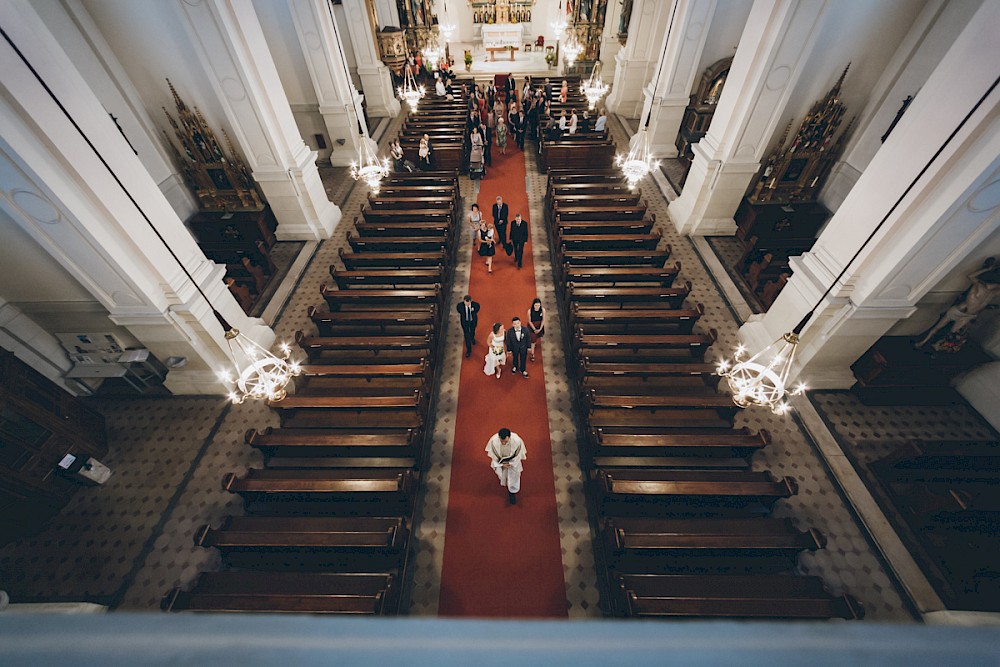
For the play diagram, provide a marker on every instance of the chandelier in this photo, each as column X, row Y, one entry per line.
column 447, row 30
column 762, row 379
column 410, row 91
column 433, row 55
column 368, row 167
column 638, row 162
column 594, row 88
column 559, row 25
column 755, row 382
column 572, row 49
column 264, row 376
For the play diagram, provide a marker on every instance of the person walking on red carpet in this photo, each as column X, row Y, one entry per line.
column 468, row 314
column 518, row 341
column 506, row 451
column 496, row 356
column 500, row 213
column 518, row 236
column 536, row 324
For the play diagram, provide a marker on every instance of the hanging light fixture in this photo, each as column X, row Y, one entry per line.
column 259, row 374
column 410, row 91
column 594, row 88
column 559, row 25
column 572, row 48
column 368, row 167
column 763, row 378
column 433, row 55
column 638, row 161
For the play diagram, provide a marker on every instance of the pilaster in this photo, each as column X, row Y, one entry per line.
column 85, row 209
column 376, row 81
column 934, row 234
column 773, row 51
column 636, row 63
column 679, row 70
column 231, row 46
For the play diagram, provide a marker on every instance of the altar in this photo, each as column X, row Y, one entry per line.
column 500, row 35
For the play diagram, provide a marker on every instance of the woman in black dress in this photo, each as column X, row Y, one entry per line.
column 536, row 325
column 487, row 243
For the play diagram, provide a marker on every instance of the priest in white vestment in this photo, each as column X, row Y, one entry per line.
column 506, row 451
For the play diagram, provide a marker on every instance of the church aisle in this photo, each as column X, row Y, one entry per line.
column 502, row 560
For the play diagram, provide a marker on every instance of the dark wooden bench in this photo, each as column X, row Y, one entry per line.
column 598, row 320
column 683, row 492
column 381, row 299
column 315, row 346
column 569, row 153
column 332, row 492
column 731, row 596
column 657, row 297
column 399, row 244
column 384, row 201
column 393, row 259
column 602, row 346
column 385, row 411
column 443, row 216
column 735, row 444
column 625, row 257
column 379, row 321
column 288, row 592
column 346, row 278
column 717, row 545
column 339, row 544
column 564, row 213
column 394, row 190
column 317, row 442
column 403, row 228
column 618, row 378
column 609, row 242
column 613, row 276
column 563, row 229
column 682, row 406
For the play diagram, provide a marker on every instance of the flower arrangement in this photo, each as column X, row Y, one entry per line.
column 550, row 58
column 468, row 60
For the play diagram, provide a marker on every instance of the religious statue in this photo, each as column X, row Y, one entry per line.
column 955, row 321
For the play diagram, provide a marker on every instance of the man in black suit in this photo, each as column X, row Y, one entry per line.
column 511, row 86
column 517, row 342
column 468, row 313
column 518, row 237
column 500, row 221
column 517, row 128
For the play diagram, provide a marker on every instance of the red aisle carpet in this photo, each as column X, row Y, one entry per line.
column 502, row 560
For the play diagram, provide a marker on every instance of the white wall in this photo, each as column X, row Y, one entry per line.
column 724, row 32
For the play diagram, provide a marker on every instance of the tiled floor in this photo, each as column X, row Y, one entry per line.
column 169, row 456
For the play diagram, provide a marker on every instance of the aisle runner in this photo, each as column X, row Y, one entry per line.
column 501, row 560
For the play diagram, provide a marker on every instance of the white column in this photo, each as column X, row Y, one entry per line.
column 230, row 44
column 610, row 46
column 387, row 13
column 376, row 81
column 335, row 93
column 635, row 65
column 773, row 51
column 935, row 236
column 58, row 190
column 685, row 44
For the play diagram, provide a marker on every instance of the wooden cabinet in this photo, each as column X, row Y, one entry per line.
column 39, row 424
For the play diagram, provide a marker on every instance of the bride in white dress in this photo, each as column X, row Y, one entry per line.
column 496, row 356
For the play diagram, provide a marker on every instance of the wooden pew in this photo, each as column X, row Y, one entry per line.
column 316, row 442
column 606, row 347
column 639, row 321
column 613, row 276
column 398, row 244
column 635, row 297
column 683, row 406
column 281, row 592
column 571, row 212
column 569, row 153
column 682, row 492
column 731, row 596
column 331, row 492
column 715, row 545
column 382, row 278
column 383, row 411
column 627, row 257
column 400, row 190
column 564, row 228
column 401, row 228
column 339, row 544
column 382, row 216
column 315, row 346
column 727, row 444
column 610, row 241
column 397, row 259
column 375, row 321
column 381, row 299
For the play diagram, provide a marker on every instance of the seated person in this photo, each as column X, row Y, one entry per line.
column 439, row 86
column 602, row 121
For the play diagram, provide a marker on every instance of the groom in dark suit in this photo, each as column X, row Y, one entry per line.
column 517, row 343
column 468, row 313
column 518, row 237
column 500, row 221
